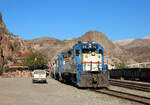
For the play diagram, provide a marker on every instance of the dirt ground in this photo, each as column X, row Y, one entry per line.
column 21, row 91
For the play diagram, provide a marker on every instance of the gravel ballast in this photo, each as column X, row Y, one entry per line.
column 21, row 91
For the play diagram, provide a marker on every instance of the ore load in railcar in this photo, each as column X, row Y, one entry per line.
column 140, row 74
column 145, row 74
column 83, row 65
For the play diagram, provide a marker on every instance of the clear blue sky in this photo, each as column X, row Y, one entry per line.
column 65, row 19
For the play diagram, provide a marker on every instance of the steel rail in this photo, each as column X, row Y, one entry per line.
column 131, row 85
column 123, row 95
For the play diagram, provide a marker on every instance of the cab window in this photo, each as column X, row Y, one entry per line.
column 77, row 52
column 100, row 51
column 88, row 50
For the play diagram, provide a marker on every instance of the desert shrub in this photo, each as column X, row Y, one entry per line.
column 7, row 69
column 121, row 65
column 36, row 61
column 10, row 58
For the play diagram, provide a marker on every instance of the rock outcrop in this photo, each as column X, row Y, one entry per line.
column 10, row 45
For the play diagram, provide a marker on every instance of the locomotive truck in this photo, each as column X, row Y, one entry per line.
column 82, row 65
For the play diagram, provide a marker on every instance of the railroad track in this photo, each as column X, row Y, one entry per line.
column 123, row 95
column 130, row 85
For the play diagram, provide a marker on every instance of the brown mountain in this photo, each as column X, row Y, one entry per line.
column 138, row 48
column 52, row 47
column 10, row 45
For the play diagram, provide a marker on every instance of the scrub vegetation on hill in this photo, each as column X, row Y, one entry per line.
column 36, row 61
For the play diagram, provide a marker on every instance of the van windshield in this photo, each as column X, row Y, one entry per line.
column 39, row 72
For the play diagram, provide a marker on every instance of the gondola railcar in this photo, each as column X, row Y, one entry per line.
column 140, row 74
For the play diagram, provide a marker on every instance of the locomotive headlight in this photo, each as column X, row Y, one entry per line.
column 93, row 54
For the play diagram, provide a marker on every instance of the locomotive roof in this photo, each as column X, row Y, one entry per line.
column 81, row 44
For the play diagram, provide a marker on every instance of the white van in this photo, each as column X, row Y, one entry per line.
column 39, row 76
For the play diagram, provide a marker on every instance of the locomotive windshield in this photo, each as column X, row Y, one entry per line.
column 91, row 49
column 88, row 50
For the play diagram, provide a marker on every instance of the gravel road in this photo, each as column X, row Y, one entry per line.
column 21, row 91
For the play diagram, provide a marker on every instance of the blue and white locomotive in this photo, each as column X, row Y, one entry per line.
column 82, row 65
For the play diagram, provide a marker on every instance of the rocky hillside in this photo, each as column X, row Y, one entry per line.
column 10, row 45
column 47, row 45
column 123, row 42
column 138, row 48
column 52, row 47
